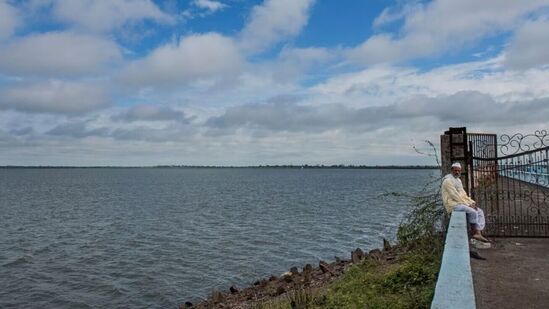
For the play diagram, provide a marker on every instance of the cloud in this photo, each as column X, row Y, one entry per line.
column 195, row 57
column 171, row 133
column 475, row 108
column 274, row 21
column 104, row 16
column 282, row 116
column 83, row 128
column 54, row 97
column 209, row 5
column 57, row 54
column 152, row 113
column 420, row 112
column 55, row 104
column 9, row 20
column 77, row 130
column 383, row 85
column 440, row 26
column 282, row 130
column 392, row 14
column 530, row 46
column 22, row 131
column 294, row 62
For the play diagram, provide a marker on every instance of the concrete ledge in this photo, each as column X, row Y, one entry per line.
column 455, row 283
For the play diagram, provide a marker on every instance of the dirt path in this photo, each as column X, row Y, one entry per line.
column 515, row 274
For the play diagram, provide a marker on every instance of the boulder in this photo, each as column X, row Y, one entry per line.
column 286, row 277
column 294, row 271
column 357, row 255
column 187, row 304
column 326, row 268
column 307, row 273
column 375, row 254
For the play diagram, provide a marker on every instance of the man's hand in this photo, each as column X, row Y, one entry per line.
column 473, row 205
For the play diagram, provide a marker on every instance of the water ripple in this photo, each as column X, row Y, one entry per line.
column 154, row 238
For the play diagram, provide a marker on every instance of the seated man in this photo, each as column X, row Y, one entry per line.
column 455, row 198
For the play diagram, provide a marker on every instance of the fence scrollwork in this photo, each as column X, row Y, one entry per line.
column 513, row 144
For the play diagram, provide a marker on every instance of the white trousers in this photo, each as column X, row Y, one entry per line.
column 474, row 216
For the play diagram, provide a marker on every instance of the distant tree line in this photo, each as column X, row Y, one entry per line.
column 287, row 166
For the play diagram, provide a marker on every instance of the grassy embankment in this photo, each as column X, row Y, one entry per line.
column 408, row 281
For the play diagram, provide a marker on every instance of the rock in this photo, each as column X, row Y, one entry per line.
column 257, row 282
column 357, row 255
column 375, row 254
column 280, row 290
column 325, row 267
column 273, row 278
column 294, row 271
column 233, row 290
column 307, row 272
column 187, row 304
column 285, row 275
column 386, row 245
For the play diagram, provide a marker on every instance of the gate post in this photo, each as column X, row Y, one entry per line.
column 454, row 148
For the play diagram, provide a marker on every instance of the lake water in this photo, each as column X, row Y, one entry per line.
column 157, row 237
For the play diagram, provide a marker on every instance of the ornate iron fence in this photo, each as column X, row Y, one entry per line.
column 510, row 181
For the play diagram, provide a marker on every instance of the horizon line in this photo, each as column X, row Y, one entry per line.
column 409, row 166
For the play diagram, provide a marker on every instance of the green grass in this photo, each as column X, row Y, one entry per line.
column 407, row 282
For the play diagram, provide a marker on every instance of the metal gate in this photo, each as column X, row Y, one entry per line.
column 510, row 182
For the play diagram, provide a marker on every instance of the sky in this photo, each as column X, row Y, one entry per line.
column 235, row 82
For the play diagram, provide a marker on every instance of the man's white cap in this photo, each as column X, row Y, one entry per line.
column 456, row 164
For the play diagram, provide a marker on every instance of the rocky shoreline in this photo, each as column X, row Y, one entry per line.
column 292, row 281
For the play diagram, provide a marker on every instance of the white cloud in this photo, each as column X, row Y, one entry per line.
column 383, row 85
column 529, row 46
column 392, row 14
column 103, row 16
column 274, row 21
column 294, row 63
column 8, row 19
column 54, row 97
column 195, row 57
column 464, row 107
column 57, row 54
column 210, row 5
column 442, row 25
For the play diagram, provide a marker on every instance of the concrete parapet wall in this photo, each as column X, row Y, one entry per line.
column 454, row 287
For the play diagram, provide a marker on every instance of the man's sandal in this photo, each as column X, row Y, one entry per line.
column 480, row 238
